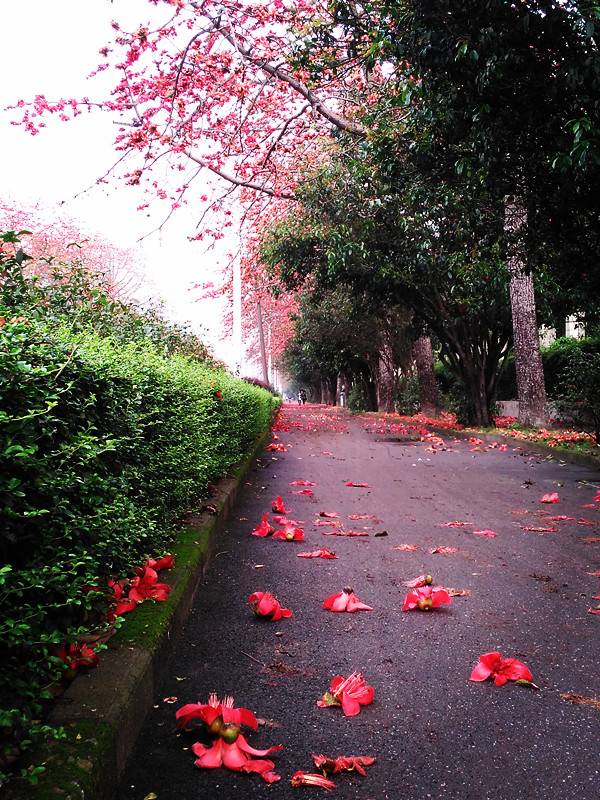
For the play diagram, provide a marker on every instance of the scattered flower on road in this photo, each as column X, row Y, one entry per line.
column 266, row 605
column 345, row 600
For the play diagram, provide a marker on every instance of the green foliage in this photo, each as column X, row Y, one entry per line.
column 579, row 396
column 106, row 436
column 407, row 398
column 358, row 399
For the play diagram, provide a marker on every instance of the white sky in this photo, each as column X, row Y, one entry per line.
column 49, row 48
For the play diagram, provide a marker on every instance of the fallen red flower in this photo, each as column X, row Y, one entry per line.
column 341, row 532
column 339, row 764
column 277, row 447
column 300, row 778
column 443, row 551
column 278, row 506
column 493, row 665
column 166, row 562
column 327, row 523
column 345, row 600
column 552, row 497
column 474, row 440
column 289, row 534
column 328, row 514
column 456, row 524
column 307, row 492
column 363, row 516
column 77, row 655
column 540, row 529
column 215, row 714
column 145, row 586
column 350, row 693
column 421, row 580
column 266, row 605
column 264, row 527
column 426, row 598
column 322, row 553
column 487, row 534
column 302, row 483
column 560, row 518
column 406, row 548
column 357, row 485
column 232, row 750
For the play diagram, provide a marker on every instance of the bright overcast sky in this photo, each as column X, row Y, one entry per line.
column 49, row 48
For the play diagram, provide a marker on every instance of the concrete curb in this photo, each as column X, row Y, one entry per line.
column 103, row 710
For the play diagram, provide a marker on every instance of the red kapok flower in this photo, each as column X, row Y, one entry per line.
column 322, row 553
column 357, row 485
column 166, row 562
column 552, row 497
column 339, row 764
column 264, row 527
column 300, row 778
column 218, row 394
column 426, row 598
column 485, row 533
column 215, row 714
column 302, row 483
column 289, row 534
column 145, row 586
column 78, row 654
column 278, row 506
column 350, row 693
column 420, row 580
column 232, row 750
column 307, row 492
column 492, row 665
column 265, row 605
column 345, row 600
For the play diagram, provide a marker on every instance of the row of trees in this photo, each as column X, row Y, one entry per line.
column 434, row 162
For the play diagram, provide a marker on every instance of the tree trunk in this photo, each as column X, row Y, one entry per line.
column 386, row 381
column 261, row 339
column 531, row 389
column 428, row 394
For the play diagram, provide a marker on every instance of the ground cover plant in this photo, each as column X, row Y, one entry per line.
column 112, row 424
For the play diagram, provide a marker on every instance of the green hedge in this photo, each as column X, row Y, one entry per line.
column 555, row 358
column 103, row 445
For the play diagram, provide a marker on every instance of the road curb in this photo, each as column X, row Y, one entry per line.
column 103, row 710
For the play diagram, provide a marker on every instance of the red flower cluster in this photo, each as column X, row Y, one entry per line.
column 143, row 586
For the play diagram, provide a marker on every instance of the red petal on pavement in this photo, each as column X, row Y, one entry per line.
column 307, row 492
column 302, row 483
column 406, row 548
column 443, row 551
column 485, row 534
column 341, row 532
column 329, row 514
column 552, row 497
column 538, row 529
column 357, row 485
column 456, row 524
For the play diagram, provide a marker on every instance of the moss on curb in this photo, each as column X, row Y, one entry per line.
column 75, row 767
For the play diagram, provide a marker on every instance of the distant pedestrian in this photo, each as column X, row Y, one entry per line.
column 302, row 396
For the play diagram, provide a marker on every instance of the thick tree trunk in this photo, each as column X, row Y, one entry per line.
column 386, row 380
column 428, row 394
column 528, row 359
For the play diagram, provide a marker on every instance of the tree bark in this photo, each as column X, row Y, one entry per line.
column 428, row 394
column 261, row 339
column 386, row 380
column 531, row 388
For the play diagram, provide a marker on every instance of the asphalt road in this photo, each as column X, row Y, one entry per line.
column 434, row 733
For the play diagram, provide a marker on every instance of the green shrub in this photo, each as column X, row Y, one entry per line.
column 579, row 396
column 104, row 442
